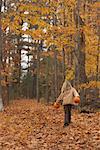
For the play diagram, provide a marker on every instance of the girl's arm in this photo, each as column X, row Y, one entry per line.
column 59, row 99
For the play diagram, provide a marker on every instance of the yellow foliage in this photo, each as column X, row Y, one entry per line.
column 91, row 84
column 96, row 5
column 70, row 74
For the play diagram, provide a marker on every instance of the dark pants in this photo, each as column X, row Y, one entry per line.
column 67, row 113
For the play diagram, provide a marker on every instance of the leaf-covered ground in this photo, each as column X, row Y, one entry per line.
column 26, row 125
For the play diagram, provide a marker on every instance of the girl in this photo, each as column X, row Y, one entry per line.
column 67, row 97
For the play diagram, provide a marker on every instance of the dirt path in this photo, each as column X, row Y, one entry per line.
column 25, row 125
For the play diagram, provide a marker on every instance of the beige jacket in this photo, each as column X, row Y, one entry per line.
column 67, row 95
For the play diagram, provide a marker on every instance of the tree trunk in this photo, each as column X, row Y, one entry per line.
column 1, row 101
column 80, row 74
column 98, row 63
column 47, row 79
column 63, row 64
column 19, row 66
column 38, row 73
column 79, row 53
column 55, row 73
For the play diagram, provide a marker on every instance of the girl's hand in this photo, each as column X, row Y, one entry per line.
column 56, row 105
column 76, row 100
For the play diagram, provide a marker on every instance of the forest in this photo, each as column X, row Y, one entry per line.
column 42, row 43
